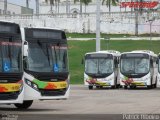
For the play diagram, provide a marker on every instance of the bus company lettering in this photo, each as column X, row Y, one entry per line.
column 139, row 4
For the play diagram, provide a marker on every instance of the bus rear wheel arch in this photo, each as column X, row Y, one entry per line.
column 25, row 105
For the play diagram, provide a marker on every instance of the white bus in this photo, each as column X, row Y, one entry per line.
column 158, row 74
column 138, row 68
column 101, row 69
column 45, row 59
column 11, row 73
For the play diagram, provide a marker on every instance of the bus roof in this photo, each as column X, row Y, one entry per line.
column 9, row 22
column 151, row 53
column 49, row 28
column 113, row 52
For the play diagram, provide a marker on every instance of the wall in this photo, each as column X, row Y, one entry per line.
column 116, row 23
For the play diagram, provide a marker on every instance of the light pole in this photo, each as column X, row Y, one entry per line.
column 98, row 26
column 150, row 29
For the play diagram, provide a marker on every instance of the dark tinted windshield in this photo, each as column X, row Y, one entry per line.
column 47, row 57
column 10, row 54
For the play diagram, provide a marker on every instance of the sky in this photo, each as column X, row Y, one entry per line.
column 23, row 3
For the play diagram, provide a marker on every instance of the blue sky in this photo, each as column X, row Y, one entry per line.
column 23, row 2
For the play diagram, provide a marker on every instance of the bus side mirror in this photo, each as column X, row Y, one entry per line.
column 25, row 51
column 82, row 62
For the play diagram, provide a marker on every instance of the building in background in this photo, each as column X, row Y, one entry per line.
column 13, row 9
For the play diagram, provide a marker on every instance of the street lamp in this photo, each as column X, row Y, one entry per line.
column 98, row 26
column 150, row 24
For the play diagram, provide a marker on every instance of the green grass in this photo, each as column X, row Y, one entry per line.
column 93, row 35
column 103, row 35
column 77, row 50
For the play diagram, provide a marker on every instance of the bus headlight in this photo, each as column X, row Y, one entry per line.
column 31, row 84
column 35, row 86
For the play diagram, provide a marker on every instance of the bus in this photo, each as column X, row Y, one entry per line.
column 45, row 60
column 158, row 74
column 101, row 69
column 11, row 73
column 138, row 68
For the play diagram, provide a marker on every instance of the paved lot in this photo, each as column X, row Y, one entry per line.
column 105, row 101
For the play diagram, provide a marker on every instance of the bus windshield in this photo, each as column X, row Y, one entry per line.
column 10, row 55
column 99, row 66
column 134, row 65
column 47, row 57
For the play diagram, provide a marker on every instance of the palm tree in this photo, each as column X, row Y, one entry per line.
column 52, row 3
column 109, row 3
column 85, row 2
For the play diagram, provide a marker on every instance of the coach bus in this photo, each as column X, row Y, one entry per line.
column 101, row 69
column 11, row 73
column 138, row 68
column 45, row 60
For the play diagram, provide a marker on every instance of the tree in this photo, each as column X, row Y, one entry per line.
column 52, row 3
column 109, row 3
column 85, row 2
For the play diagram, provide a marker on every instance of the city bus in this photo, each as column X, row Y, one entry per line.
column 158, row 74
column 138, row 68
column 11, row 73
column 45, row 60
column 101, row 69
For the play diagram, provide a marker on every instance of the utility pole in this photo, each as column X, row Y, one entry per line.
column 98, row 26
column 5, row 7
column 150, row 24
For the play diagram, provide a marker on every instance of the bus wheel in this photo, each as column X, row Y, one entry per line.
column 132, row 87
column 149, row 86
column 90, row 87
column 155, row 85
column 125, row 87
column 97, row 87
column 26, row 104
column 114, row 87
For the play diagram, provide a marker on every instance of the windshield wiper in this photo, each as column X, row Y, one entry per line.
column 45, row 53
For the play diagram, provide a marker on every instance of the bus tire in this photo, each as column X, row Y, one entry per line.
column 149, row 86
column 133, row 87
column 155, row 85
column 26, row 104
column 125, row 87
column 97, row 87
column 90, row 87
